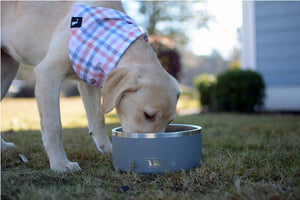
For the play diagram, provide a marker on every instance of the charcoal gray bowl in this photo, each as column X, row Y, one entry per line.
column 180, row 147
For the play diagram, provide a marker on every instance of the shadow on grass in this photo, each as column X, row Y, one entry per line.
column 221, row 132
column 245, row 157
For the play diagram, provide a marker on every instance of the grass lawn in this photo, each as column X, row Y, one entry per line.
column 245, row 156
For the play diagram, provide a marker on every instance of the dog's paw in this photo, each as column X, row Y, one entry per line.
column 66, row 167
column 103, row 147
column 7, row 145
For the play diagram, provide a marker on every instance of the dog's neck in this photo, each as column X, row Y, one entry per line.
column 133, row 55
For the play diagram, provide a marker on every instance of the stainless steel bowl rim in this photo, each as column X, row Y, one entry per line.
column 194, row 130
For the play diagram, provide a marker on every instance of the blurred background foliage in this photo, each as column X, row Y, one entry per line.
column 174, row 18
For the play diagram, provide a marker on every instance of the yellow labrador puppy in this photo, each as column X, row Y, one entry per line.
column 37, row 33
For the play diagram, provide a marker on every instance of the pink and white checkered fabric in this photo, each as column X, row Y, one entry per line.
column 99, row 38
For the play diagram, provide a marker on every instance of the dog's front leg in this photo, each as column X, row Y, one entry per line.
column 48, row 82
column 91, row 97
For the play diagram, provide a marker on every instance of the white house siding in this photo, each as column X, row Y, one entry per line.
column 275, row 27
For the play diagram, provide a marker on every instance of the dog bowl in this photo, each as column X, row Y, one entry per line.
column 180, row 147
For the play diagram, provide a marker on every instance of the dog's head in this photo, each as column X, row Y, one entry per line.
column 143, row 93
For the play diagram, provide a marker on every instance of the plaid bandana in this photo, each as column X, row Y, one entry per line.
column 99, row 38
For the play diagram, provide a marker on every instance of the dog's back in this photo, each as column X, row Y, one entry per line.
column 28, row 27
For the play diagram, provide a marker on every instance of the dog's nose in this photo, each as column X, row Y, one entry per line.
column 151, row 117
column 150, row 114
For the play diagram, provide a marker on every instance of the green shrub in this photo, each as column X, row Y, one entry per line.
column 238, row 90
column 204, row 84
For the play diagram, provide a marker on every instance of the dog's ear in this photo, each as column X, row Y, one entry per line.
column 116, row 84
